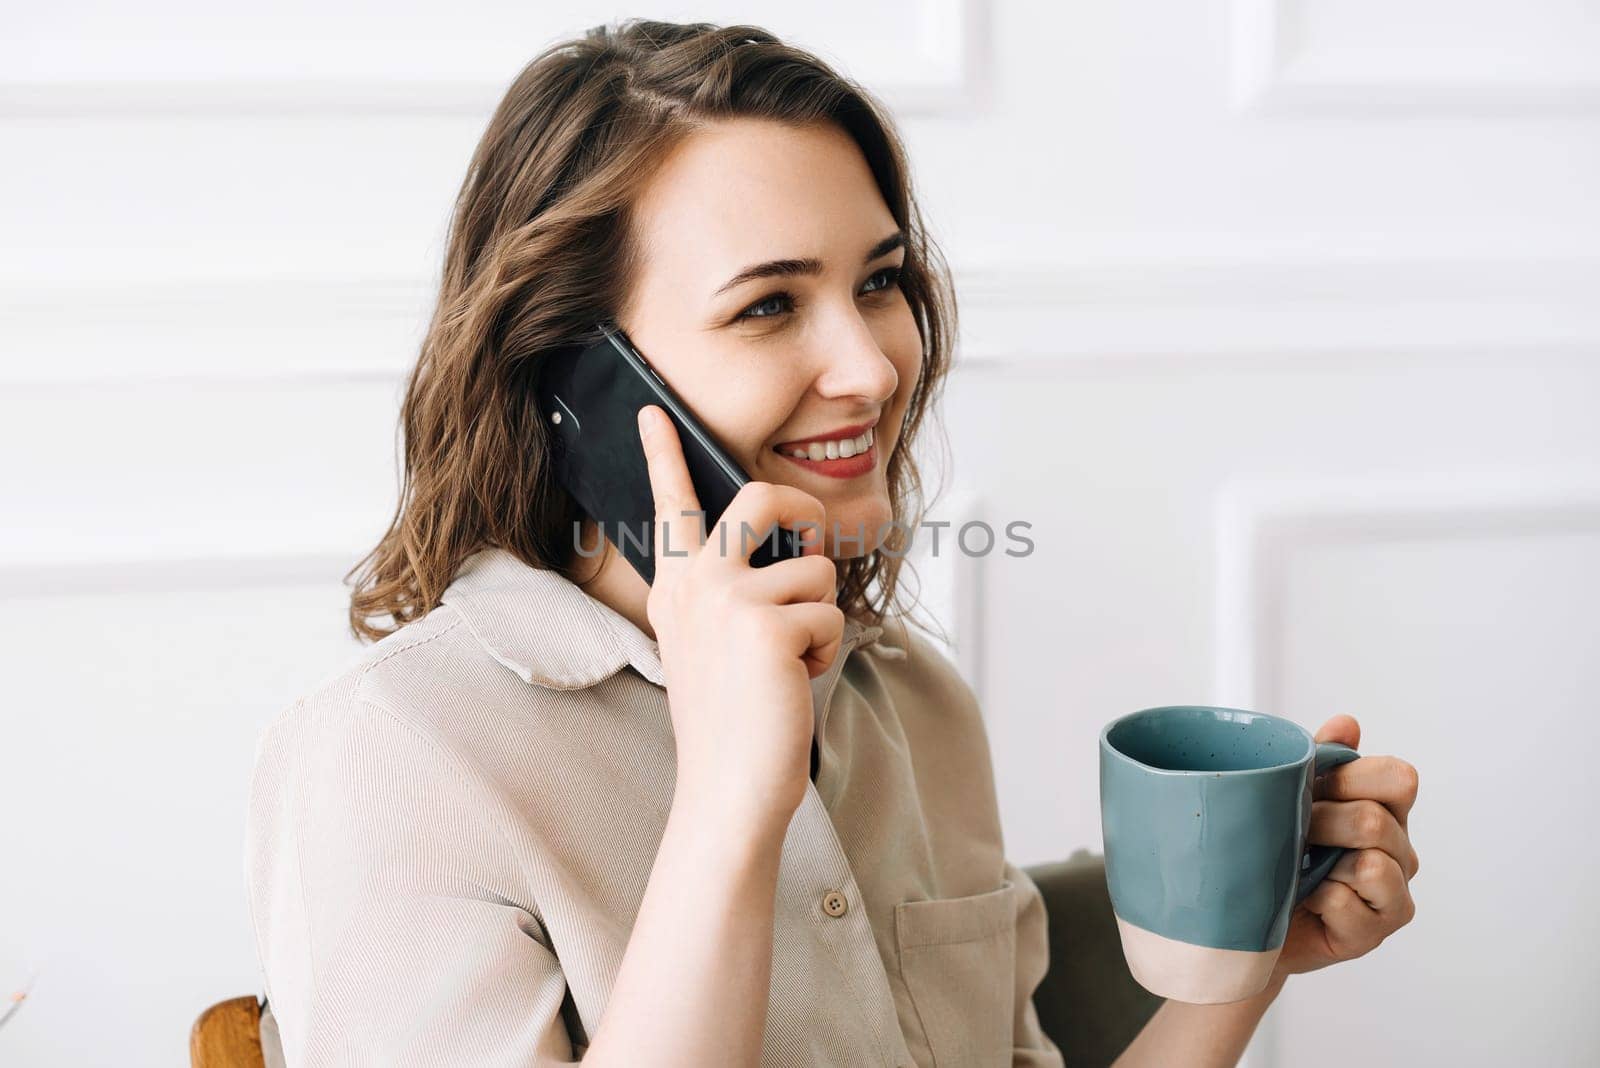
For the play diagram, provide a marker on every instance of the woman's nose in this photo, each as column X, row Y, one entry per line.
column 855, row 365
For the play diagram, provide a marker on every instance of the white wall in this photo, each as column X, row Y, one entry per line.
column 1280, row 328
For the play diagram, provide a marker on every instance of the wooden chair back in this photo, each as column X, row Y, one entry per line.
column 228, row 1035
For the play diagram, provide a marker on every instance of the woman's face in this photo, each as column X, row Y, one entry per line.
column 816, row 341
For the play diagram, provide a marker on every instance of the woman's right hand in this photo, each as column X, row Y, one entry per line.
column 739, row 645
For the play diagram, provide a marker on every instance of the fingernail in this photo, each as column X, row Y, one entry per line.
column 647, row 421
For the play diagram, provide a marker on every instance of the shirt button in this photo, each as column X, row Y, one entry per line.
column 834, row 904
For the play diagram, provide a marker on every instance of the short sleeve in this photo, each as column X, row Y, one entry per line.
column 383, row 897
column 1031, row 1047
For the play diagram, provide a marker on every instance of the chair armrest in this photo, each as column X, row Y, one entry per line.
column 1088, row 1002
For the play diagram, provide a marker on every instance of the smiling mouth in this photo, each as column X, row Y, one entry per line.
column 837, row 465
column 836, row 449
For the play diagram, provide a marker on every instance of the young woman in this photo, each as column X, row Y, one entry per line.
column 740, row 815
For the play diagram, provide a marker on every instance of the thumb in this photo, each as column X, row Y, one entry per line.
column 1342, row 729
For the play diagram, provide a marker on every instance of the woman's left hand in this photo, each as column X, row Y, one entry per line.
column 1361, row 805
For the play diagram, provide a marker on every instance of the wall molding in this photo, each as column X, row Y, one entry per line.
column 1261, row 521
column 159, row 572
column 287, row 548
column 1274, row 70
column 1093, row 316
column 1277, row 308
column 432, row 76
column 307, row 329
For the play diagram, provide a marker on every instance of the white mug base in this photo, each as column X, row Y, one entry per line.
column 1197, row 974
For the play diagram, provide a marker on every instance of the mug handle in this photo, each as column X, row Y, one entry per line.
column 1318, row 860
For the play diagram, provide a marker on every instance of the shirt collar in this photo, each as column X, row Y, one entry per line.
column 544, row 627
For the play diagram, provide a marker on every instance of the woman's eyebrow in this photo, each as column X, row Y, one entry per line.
column 810, row 265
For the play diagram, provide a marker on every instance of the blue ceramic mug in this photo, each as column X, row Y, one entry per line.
column 1205, row 813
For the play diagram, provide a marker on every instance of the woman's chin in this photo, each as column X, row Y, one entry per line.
column 857, row 531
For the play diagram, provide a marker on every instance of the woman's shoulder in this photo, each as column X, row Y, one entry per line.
column 411, row 679
column 361, row 804
column 373, row 672
column 418, row 713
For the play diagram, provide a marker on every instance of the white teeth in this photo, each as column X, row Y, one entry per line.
column 836, row 449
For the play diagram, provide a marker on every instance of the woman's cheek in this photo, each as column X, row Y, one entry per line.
column 908, row 346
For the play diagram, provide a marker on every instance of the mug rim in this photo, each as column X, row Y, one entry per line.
column 1107, row 747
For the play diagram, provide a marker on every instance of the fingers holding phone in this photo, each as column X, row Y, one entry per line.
column 679, row 528
column 739, row 645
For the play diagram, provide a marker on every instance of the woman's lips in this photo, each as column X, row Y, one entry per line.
column 839, row 435
column 843, row 467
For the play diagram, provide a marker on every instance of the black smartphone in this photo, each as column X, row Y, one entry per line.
column 590, row 394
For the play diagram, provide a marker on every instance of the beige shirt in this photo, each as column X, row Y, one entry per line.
column 448, row 843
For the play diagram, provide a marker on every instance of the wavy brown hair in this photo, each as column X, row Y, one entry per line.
column 540, row 249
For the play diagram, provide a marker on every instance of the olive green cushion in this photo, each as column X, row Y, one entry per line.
column 1088, row 1003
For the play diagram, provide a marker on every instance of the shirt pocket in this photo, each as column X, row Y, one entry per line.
column 958, row 957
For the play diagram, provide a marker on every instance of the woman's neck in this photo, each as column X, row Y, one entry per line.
column 612, row 581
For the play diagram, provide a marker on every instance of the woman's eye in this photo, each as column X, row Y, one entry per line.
column 752, row 312
column 777, row 303
column 891, row 275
